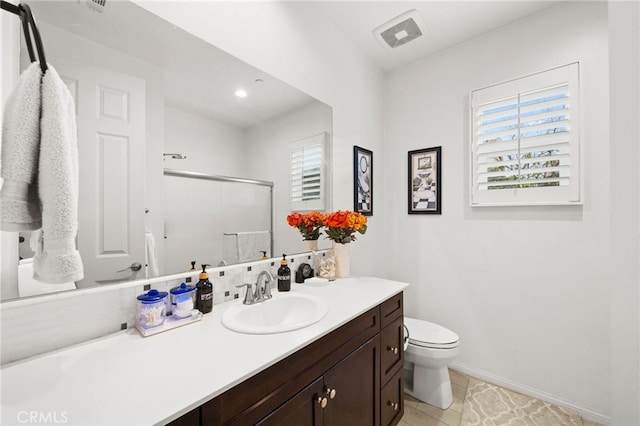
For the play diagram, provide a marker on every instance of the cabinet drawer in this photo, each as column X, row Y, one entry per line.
column 391, row 309
column 391, row 349
column 392, row 401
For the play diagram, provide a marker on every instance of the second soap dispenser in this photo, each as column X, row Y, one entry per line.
column 204, row 292
column 284, row 275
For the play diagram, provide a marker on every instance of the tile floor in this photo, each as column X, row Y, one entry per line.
column 417, row 413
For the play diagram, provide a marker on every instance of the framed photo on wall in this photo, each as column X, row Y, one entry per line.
column 362, row 181
column 425, row 181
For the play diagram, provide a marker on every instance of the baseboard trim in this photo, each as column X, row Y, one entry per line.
column 586, row 413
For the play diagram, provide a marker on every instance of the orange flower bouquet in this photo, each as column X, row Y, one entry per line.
column 309, row 224
column 341, row 225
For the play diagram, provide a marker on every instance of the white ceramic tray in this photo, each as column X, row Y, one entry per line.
column 170, row 322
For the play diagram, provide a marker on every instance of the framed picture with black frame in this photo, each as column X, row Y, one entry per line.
column 425, row 181
column 362, row 181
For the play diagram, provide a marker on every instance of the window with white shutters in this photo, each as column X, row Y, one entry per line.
column 308, row 173
column 525, row 144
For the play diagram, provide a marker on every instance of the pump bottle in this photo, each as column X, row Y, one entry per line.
column 284, row 275
column 204, row 292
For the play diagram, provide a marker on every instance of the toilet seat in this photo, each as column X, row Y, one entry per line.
column 429, row 335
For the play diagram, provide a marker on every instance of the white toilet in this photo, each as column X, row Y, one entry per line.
column 430, row 349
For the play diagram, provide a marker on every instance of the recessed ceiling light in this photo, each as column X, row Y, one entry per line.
column 241, row 93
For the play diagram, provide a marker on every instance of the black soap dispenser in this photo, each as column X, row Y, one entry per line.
column 284, row 275
column 204, row 292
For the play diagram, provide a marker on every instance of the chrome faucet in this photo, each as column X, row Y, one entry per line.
column 261, row 293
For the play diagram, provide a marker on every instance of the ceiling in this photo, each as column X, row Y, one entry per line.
column 447, row 23
column 193, row 78
column 198, row 77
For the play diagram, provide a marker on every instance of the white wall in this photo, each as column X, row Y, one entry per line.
column 525, row 288
column 211, row 146
column 294, row 43
column 270, row 142
column 624, row 65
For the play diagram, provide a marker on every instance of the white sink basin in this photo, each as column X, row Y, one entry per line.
column 284, row 312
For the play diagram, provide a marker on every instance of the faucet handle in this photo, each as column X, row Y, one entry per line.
column 248, row 296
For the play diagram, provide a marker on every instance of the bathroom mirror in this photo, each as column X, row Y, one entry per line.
column 165, row 99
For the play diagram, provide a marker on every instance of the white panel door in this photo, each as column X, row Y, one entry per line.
column 110, row 111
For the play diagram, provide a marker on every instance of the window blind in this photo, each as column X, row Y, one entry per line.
column 307, row 173
column 526, row 140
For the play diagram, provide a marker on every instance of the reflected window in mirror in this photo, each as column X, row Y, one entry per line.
column 308, row 173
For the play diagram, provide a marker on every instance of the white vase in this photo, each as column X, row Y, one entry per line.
column 312, row 245
column 342, row 253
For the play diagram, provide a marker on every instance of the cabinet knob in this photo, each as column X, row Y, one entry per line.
column 322, row 401
column 392, row 349
column 331, row 393
column 393, row 405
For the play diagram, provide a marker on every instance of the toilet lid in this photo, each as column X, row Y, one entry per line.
column 428, row 334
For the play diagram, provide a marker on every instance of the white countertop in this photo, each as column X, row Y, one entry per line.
column 127, row 379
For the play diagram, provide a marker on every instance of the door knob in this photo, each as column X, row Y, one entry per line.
column 392, row 349
column 135, row 266
column 393, row 405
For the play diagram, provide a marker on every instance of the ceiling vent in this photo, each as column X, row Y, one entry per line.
column 96, row 5
column 400, row 30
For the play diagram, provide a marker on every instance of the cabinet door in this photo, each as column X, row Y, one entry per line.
column 391, row 348
column 353, row 388
column 304, row 409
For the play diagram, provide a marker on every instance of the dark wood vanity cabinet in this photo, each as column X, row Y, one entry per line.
column 344, row 395
column 352, row 376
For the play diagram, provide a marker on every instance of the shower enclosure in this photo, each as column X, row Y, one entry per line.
column 205, row 213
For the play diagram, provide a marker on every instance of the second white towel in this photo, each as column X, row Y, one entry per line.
column 252, row 244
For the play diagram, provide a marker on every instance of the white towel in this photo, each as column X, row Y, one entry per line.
column 252, row 244
column 152, row 255
column 57, row 260
column 20, row 206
